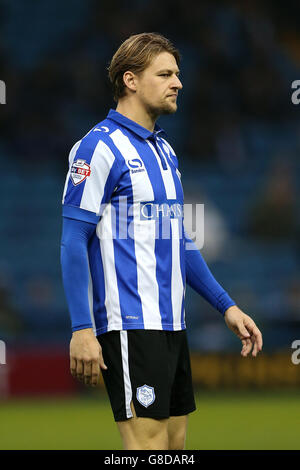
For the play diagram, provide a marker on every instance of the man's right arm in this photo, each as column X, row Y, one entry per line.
column 94, row 173
column 75, row 270
column 85, row 351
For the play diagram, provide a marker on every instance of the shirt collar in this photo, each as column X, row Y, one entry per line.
column 134, row 126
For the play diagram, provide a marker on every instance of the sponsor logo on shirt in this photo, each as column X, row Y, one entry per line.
column 152, row 210
column 135, row 165
column 80, row 170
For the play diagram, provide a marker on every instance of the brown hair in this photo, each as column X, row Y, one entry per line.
column 135, row 54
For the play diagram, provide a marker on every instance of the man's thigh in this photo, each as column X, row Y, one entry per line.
column 144, row 433
column 147, row 433
column 177, row 428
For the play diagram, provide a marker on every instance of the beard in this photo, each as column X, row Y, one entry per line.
column 161, row 109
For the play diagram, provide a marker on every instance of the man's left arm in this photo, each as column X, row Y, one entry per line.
column 200, row 278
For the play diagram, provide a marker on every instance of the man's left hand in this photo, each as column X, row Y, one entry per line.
column 245, row 328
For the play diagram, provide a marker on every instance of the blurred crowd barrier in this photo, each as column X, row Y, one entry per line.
column 45, row 373
column 217, row 371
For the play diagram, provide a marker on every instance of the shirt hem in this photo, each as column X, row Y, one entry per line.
column 141, row 326
column 77, row 213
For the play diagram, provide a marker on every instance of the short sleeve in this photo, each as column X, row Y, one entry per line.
column 93, row 174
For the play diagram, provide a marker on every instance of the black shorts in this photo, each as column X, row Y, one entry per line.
column 152, row 369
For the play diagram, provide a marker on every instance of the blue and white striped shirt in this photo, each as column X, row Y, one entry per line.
column 124, row 180
column 120, row 172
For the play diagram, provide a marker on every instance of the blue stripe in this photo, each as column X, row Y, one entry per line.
column 163, row 253
column 126, row 270
column 163, row 247
column 109, row 187
column 173, row 163
column 182, row 267
column 97, row 275
column 125, row 259
column 180, row 197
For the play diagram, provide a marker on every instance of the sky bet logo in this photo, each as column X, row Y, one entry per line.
column 135, row 165
column 80, row 170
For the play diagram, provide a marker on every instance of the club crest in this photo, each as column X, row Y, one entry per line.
column 145, row 395
column 80, row 170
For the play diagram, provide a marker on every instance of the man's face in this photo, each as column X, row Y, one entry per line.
column 158, row 85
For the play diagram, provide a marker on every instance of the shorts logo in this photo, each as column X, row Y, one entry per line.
column 80, row 170
column 145, row 395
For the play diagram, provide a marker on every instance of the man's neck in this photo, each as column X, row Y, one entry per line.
column 137, row 114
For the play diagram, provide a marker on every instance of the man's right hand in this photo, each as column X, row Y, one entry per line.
column 86, row 357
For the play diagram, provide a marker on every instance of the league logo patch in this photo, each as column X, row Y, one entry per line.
column 145, row 395
column 80, row 170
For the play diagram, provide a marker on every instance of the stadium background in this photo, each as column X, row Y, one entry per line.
column 237, row 136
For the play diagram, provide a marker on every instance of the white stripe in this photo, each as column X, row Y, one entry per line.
column 126, row 376
column 71, row 159
column 168, row 145
column 177, row 289
column 144, row 243
column 166, row 174
column 143, row 236
column 183, row 317
column 101, row 163
column 141, row 186
column 112, row 301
